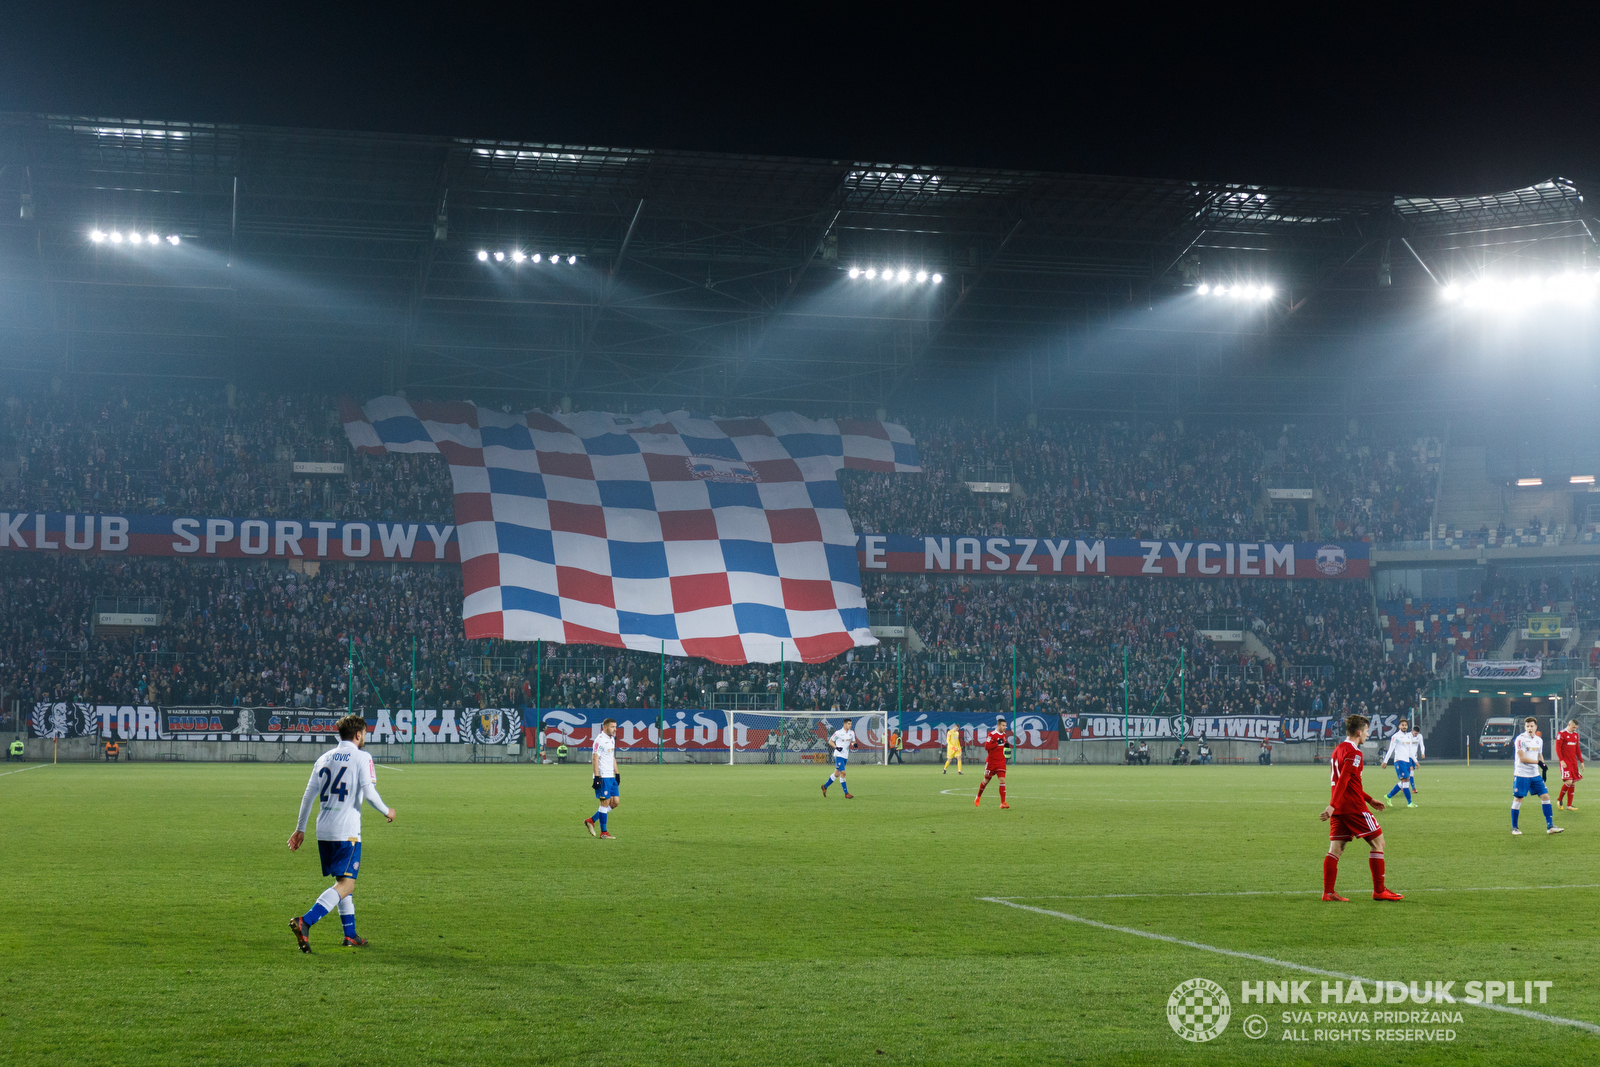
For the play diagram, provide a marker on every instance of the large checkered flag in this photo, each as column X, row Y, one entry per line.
column 720, row 538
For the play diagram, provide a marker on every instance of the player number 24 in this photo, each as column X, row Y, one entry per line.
column 333, row 784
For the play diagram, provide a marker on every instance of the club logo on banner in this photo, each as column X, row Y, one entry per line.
column 720, row 538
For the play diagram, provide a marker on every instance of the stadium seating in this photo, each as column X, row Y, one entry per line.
column 255, row 633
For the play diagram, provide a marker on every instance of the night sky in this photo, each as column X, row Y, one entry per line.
column 1347, row 99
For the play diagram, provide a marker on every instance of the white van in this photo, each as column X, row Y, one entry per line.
column 1497, row 735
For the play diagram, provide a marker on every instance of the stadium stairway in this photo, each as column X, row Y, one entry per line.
column 1468, row 500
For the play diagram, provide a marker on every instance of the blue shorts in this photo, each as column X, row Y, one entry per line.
column 340, row 859
column 839, row 764
column 608, row 788
column 1528, row 787
column 1402, row 769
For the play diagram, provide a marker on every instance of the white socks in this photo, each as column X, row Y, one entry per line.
column 347, row 905
column 329, row 899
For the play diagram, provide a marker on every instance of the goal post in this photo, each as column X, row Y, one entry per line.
column 779, row 737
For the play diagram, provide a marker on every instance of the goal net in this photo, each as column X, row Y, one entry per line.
column 802, row 736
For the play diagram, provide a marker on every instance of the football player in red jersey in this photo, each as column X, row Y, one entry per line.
column 996, row 763
column 1569, row 750
column 1347, row 815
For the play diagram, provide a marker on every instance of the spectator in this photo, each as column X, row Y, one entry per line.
column 1144, row 753
column 1203, row 752
column 112, row 751
column 1181, row 755
column 16, row 754
column 1265, row 756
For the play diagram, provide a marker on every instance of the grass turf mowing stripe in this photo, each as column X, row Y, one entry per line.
column 1302, row 968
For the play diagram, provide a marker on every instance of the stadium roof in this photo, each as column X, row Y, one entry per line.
column 353, row 259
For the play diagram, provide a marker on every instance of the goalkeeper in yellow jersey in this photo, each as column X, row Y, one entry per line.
column 952, row 750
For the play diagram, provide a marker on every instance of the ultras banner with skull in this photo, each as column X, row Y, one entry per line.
column 458, row 726
column 1072, row 557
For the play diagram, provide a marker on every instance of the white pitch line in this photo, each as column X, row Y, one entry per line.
column 1291, row 892
column 1302, row 968
column 35, row 767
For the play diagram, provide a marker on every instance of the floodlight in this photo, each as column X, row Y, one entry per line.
column 96, row 236
column 152, row 238
column 1266, row 292
column 482, row 256
column 572, row 261
column 922, row 276
column 116, row 237
column 499, row 257
column 1528, row 482
column 538, row 257
column 1250, row 291
column 872, row 272
column 134, row 237
column 855, row 272
column 1452, row 291
column 905, row 275
column 1222, row 290
column 937, row 278
column 517, row 257
column 1202, row 289
column 1581, row 479
column 174, row 239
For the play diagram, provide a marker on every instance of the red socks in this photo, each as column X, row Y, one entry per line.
column 1375, row 861
column 1330, row 872
column 1002, row 792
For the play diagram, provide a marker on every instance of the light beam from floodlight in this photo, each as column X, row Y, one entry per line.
column 174, row 239
column 937, row 278
column 855, row 272
column 572, row 261
column 1202, row 289
column 872, row 272
column 499, row 257
column 151, row 238
column 483, row 256
column 517, row 256
column 922, row 276
column 905, row 274
column 96, row 236
column 116, row 237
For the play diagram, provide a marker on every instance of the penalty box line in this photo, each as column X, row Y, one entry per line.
column 1286, row 892
column 1270, row 961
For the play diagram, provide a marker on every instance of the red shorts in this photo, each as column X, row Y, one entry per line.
column 999, row 771
column 1347, row 827
column 1569, row 773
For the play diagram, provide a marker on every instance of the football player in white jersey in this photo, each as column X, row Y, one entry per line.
column 1403, row 747
column 607, row 782
column 341, row 779
column 1526, row 780
column 843, row 740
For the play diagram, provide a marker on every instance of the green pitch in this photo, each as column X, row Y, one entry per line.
column 740, row 917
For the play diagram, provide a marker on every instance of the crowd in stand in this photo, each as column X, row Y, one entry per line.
column 202, row 452
column 260, row 633
column 217, row 451
column 1143, row 480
